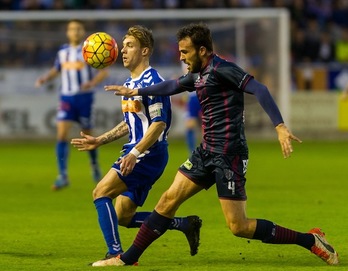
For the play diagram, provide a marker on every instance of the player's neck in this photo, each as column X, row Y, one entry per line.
column 138, row 70
column 74, row 44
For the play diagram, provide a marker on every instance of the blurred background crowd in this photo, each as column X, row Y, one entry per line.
column 319, row 30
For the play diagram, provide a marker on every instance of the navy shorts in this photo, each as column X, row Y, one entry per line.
column 77, row 108
column 146, row 172
column 226, row 171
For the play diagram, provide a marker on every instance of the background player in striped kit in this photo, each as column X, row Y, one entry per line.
column 147, row 120
column 76, row 97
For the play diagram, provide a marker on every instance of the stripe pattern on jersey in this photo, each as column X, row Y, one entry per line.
column 140, row 111
column 74, row 70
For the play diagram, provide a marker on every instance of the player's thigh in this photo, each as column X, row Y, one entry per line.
column 109, row 186
column 125, row 209
column 181, row 189
column 63, row 128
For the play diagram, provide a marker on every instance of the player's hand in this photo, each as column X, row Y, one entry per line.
column 285, row 137
column 344, row 96
column 87, row 86
column 127, row 164
column 39, row 82
column 86, row 143
column 122, row 90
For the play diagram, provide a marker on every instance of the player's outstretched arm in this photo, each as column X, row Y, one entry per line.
column 88, row 142
column 122, row 90
column 98, row 78
column 52, row 73
column 165, row 88
column 285, row 137
column 85, row 143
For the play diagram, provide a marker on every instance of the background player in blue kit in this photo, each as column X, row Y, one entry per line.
column 76, row 97
column 192, row 120
column 222, row 157
column 192, row 116
column 147, row 121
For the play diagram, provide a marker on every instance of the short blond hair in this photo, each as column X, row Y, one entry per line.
column 143, row 35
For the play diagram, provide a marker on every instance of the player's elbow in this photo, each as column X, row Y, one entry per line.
column 162, row 126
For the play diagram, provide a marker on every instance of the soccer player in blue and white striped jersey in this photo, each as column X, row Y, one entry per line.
column 147, row 120
column 76, row 97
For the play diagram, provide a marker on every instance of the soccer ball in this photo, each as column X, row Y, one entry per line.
column 100, row 50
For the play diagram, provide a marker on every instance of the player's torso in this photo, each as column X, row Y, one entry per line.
column 139, row 111
column 222, row 112
column 74, row 71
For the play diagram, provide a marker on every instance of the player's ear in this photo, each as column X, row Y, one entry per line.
column 145, row 51
column 202, row 50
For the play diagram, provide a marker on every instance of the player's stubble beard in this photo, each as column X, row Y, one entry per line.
column 196, row 63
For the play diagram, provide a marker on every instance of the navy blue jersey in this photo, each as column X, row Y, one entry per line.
column 220, row 90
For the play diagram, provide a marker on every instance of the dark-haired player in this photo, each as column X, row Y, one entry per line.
column 222, row 157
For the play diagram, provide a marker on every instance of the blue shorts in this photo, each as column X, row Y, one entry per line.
column 146, row 172
column 193, row 106
column 77, row 108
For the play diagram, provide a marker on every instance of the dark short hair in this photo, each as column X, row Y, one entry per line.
column 199, row 33
column 143, row 35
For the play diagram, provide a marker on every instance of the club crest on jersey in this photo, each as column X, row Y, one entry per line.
column 228, row 173
column 187, row 164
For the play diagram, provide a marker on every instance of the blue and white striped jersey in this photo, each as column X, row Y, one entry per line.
column 140, row 111
column 74, row 70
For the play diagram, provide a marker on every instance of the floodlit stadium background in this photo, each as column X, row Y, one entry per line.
column 291, row 47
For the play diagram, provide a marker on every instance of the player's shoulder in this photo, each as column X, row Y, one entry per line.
column 223, row 66
column 64, row 46
column 152, row 76
column 219, row 62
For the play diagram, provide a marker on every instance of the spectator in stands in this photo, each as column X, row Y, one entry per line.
column 326, row 48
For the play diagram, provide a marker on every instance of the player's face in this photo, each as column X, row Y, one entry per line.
column 131, row 53
column 75, row 33
column 189, row 55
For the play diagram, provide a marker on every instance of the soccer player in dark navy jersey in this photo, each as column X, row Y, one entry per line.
column 222, row 157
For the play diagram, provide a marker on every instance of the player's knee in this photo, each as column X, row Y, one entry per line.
column 99, row 192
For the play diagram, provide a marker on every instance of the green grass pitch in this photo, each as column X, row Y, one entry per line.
column 45, row 230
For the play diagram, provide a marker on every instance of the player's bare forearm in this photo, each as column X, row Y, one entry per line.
column 285, row 137
column 122, row 90
column 151, row 136
column 51, row 74
column 117, row 132
column 100, row 76
column 128, row 162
